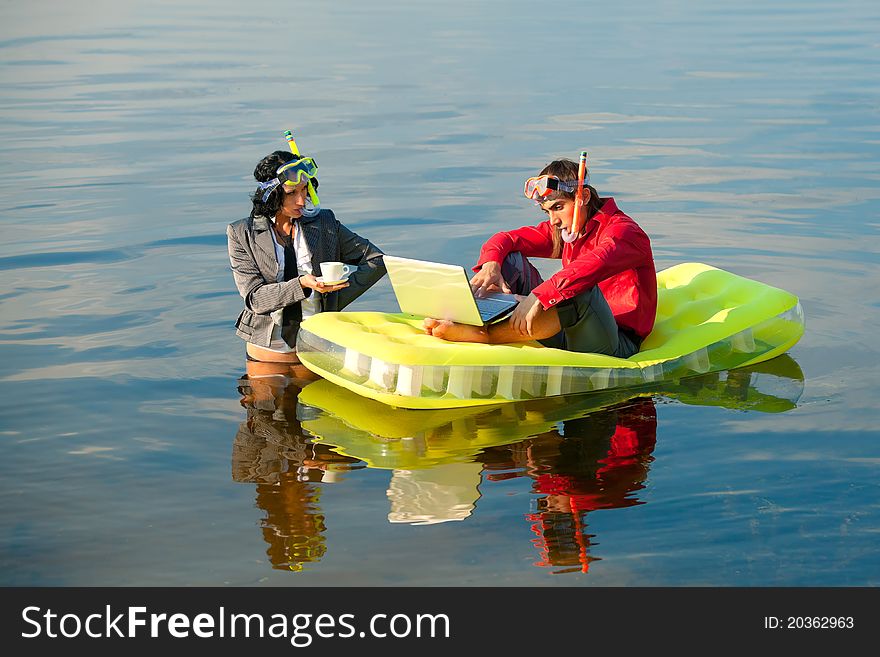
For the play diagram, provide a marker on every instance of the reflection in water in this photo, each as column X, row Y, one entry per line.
column 581, row 453
column 287, row 468
column 441, row 493
column 593, row 462
column 770, row 387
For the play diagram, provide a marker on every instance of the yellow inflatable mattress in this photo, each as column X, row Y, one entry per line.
column 707, row 320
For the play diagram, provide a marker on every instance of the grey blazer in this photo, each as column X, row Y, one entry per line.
column 255, row 269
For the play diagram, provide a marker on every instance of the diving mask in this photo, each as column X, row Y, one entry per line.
column 539, row 187
column 293, row 173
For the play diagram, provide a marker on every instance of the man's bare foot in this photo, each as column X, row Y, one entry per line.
column 446, row 330
column 428, row 324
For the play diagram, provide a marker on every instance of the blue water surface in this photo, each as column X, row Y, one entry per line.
column 744, row 135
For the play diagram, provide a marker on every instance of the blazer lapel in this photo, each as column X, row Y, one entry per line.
column 266, row 259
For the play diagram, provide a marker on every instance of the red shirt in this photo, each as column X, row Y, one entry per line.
column 615, row 254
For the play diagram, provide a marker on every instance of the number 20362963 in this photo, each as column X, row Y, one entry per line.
column 809, row 622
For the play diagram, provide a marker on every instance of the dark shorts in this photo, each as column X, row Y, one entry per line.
column 588, row 325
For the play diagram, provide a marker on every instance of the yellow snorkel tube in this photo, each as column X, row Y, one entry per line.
column 288, row 135
column 313, row 194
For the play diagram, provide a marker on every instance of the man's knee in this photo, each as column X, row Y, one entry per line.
column 520, row 274
column 513, row 267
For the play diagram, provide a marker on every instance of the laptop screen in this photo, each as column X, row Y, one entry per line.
column 432, row 289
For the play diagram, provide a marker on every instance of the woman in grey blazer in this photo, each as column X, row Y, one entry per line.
column 276, row 252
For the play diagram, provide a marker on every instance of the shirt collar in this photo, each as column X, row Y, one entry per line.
column 262, row 223
column 608, row 210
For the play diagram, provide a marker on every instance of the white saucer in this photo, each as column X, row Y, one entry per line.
column 320, row 279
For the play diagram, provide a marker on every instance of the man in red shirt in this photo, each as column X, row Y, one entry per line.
column 603, row 300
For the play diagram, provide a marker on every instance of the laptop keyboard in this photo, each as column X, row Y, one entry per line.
column 490, row 307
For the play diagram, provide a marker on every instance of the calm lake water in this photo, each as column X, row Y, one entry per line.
column 744, row 135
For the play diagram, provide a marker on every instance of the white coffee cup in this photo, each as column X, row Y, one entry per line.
column 335, row 271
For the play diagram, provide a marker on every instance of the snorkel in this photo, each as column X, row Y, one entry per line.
column 577, row 222
column 313, row 203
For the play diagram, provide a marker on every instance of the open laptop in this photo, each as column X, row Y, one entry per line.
column 432, row 289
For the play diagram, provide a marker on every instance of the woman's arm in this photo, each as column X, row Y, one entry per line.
column 259, row 296
column 354, row 249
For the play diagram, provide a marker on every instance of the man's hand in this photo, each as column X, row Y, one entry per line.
column 524, row 315
column 489, row 279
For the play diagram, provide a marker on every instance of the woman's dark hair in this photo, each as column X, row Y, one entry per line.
column 565, row 169
column 265, row 171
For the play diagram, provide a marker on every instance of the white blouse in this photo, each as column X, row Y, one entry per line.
column 311, row 305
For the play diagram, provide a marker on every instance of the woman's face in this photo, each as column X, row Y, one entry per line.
column 294, row 200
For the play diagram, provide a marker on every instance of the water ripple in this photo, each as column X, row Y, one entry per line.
column 72, row 325
column 59, row 258
column 740, row 135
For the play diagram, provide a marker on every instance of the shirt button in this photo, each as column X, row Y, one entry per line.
column 552, row 301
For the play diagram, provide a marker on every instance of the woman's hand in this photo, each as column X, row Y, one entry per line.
column 307, row 280
column 524, row 315
column 489, row 279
